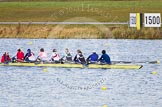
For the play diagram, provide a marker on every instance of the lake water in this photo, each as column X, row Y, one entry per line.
column 61, row 87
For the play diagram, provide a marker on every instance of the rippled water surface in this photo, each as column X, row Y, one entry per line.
column 61, row 87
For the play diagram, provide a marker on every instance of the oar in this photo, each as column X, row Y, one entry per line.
column 127, row 62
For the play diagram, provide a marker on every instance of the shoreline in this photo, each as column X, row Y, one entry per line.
column 78, row 12
column 77, row 32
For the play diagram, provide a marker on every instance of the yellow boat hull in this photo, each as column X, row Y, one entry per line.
column 92, row 66
column 116, row 66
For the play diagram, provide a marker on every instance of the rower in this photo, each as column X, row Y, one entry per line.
column 105, row 58
column 29, row 57
column 67, row 57
column 42, row 56
column 79, row 58
column 55, row 56
column 93, row 58
column 5, row 58
column 20, row 55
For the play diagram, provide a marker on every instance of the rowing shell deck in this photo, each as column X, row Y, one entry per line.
column 93, row 66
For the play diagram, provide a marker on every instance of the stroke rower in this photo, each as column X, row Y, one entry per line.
column 19, row 57
column 104, row 59
column 79, row 58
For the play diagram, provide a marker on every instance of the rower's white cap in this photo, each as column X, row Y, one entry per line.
column 93, row 51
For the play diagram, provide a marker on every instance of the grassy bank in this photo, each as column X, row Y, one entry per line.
column 101, row 11
column 84, row 11
column 67, row 0
column 77, row 31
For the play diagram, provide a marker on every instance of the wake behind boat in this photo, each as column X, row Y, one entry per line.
column 73, row 65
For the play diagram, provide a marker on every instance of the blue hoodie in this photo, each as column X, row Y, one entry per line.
column 105, row 59
column 93, row 57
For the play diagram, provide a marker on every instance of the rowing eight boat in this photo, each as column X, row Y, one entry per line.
column 66, row 65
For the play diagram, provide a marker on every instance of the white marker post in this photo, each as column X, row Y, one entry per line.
column 135, row 20
column 132, row 20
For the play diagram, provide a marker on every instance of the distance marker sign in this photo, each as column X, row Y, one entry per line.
column 152, row 20
column 132, row 20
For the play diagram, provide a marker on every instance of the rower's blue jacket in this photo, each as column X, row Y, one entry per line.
column 93, row 57
column 28, row 54
column 105, row 59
